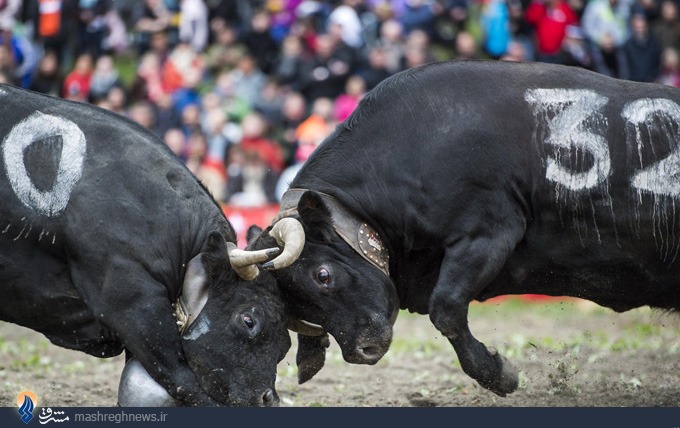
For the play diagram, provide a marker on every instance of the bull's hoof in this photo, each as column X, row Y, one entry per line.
column 508, row 380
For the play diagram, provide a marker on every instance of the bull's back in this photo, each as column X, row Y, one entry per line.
column 80, row 184
column 591, row 163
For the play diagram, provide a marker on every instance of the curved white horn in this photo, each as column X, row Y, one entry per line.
column 244, row 262
column 290, row 235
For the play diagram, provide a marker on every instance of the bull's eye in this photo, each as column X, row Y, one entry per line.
column 248, row 321
column 323, row 276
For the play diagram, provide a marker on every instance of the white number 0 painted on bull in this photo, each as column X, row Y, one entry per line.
column 36, row 127
column 569, row 130
column 661, row 177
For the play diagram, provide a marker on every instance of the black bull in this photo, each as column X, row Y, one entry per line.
column 479, row 179
column 103, row 229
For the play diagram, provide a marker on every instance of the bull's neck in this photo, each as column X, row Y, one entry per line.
column 360, row 233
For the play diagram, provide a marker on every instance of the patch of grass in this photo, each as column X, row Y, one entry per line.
column 417, row 346
column 560, row 379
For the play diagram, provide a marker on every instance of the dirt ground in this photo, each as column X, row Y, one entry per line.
column 569, row 353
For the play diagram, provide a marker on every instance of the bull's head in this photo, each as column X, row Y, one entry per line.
column 330, row 284
column 235, row 330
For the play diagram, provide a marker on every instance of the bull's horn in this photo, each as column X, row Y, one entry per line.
column 304, row 328
column 244, row 262
column 290, row 235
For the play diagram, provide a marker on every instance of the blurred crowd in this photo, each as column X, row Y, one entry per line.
column 243, row 91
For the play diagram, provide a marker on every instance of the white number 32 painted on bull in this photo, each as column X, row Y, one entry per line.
column 36, row 127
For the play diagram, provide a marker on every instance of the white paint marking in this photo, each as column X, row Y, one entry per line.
column 662, row 177
column 569, row 130
column 199, row 329
column 31, row 129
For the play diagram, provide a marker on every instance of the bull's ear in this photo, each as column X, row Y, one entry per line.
column 311, row 355
column 194, row 294
column 253, row 232
column 214, row 254
column 315, row 216
column 199, row 274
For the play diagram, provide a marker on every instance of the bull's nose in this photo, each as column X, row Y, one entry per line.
column 370, row 354
column 270, row 398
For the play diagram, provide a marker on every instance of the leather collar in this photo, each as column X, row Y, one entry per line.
column 357, row 234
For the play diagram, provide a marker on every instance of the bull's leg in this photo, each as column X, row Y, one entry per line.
column 468, row 266
column 139, row 310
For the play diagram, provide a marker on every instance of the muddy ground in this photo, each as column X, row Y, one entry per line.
column 569, row 353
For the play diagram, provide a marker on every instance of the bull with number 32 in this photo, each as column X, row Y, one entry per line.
column 462, row 181
column 108, row 242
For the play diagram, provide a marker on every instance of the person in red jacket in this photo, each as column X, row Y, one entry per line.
column 550, row 19
column 76, row 85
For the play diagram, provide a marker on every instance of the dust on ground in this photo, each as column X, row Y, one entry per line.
column 568, row 353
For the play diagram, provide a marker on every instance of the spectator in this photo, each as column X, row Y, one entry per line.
column 54, row 25
column 47, row 78
column 345, row 104
column 175, row 140
column 550, row 19
column 159, row 43
column 667, row 27
column 236, row 107
column 251, row 182
column 117, row 100
column 142, row 112
column 91, row 26
column 456, row 12
column 182, row 69
column 375, row 71
column 193, row 24
column 191, row 119
column 7, row 63
column 148, row 84
column 420, row 15
column 116, row 37
column 155, row 17
column 642, row 51
column 466, row 46
column 329, row 68
column 670, row 68
column 313, row 130
column 609, row 59
column 226, row 52
column 345, row 17
column 196, row 149
column 293, row 112
column 260, row 42
column 255, row 139
column 9, row 9
column 248, row 80
column 214, row 125
column 574, row 51
column 309, row 134
column 604, row 23
column 392, row 43
column 270, row 101
column 290, row 69
column 77, row 82
column 495, row 21
column 22, row 56
column 104, row 77
column 167, row 115
column 516, row 52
